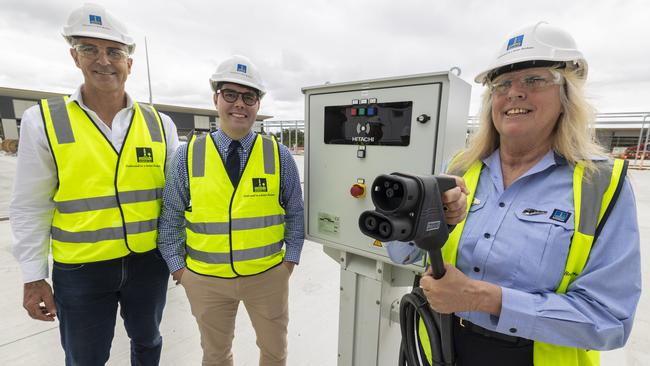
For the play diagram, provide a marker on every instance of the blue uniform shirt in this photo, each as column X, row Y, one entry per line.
column 176, row 199
column 525, row 254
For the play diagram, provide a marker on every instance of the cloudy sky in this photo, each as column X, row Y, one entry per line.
column 305, row 43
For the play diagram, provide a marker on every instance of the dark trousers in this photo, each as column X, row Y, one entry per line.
column 87, row 296
column 473, row 349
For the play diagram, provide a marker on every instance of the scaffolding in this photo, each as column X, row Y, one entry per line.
column 289, row 139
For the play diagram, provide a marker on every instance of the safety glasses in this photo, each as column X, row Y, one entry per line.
column 231, row 96
column 532, row 82
column 92, row 52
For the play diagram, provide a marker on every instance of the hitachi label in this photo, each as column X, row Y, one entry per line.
column 363, row 139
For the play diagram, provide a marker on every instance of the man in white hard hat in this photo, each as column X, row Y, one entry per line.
column 232, row 200
column 89, row 179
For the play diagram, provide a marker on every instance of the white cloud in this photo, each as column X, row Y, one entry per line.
column 297, row 44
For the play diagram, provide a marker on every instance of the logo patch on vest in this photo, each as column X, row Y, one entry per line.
column 561, row 216
column 144, row 154
column 259, row 185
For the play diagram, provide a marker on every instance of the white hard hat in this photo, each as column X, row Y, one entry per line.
column 238, row 70
column 536, row 45
column 94, row 21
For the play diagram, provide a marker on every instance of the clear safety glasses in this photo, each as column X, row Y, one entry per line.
column 92, row 52
column 531, row 82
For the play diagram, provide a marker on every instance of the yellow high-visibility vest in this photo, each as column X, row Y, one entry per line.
column 107, row 203
column 234, row 232
column 592, row 200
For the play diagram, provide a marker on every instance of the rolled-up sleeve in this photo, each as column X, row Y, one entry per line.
column 403, row 253
column 31, row 208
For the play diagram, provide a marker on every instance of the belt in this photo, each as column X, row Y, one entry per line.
column 466, row 324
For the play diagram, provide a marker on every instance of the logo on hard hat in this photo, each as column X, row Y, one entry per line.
column 515, row 42
column 241, row 68
column 95, row 19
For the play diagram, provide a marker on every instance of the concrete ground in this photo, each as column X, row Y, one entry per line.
column 314, row 292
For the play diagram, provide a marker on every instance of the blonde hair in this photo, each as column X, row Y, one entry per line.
column 573, row 135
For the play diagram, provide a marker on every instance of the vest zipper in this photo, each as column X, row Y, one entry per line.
column 117, row 192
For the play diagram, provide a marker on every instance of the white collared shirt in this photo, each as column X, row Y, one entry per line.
column 32, row 208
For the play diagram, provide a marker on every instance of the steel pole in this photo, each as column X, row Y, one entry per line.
column 645, row 143
column 146, row 51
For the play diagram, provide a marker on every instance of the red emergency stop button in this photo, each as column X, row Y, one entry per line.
column 358, row 190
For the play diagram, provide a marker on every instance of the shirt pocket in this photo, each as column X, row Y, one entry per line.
column 472, row 229
column 544, row 244
column 477, row 204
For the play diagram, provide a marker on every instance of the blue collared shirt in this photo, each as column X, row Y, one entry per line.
column 510, row 240
column 176, row 199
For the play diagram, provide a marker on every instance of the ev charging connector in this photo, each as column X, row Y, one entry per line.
column 409, row 208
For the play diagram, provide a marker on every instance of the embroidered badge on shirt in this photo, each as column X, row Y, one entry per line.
column 561, row 216
column 533, row 212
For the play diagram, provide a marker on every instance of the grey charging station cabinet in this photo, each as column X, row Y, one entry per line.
column 356, row 131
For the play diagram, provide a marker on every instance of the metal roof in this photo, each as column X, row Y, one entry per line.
column 37, row 94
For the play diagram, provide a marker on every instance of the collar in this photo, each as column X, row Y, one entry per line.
column 76, row 97
column 551, row 158
column 246, row 141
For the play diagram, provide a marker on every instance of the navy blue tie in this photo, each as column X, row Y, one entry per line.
column 233, row 162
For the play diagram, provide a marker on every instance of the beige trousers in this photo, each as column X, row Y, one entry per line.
column 214, row 302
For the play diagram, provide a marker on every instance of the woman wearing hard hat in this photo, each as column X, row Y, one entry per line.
column 545, row 269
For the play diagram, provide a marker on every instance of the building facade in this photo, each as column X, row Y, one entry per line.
column 14, row 102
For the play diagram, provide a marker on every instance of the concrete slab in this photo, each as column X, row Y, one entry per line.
column 313, row 300
column 313, row 328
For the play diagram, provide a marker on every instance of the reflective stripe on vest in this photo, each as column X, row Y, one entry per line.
column 237, row 224
column 232, row 232
column 106, row 204
column 593, row 199
column 98, row 203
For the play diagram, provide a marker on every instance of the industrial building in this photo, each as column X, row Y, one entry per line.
column 14, row 102
column 614, row 131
